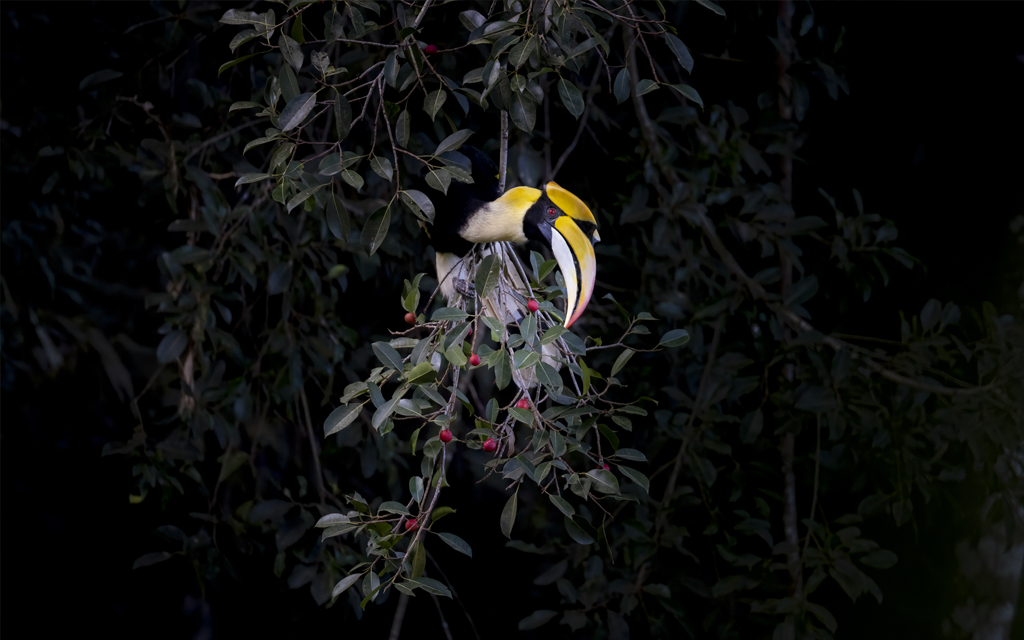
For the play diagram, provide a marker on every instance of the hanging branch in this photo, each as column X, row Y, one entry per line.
column 503, row 153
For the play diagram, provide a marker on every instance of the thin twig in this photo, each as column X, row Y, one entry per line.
column 396, row 624
column 503, row 152
column 697, row 408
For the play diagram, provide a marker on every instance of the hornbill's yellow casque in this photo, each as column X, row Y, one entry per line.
column 478, row 213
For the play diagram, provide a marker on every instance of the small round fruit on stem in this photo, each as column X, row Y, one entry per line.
column 410, row 318
column 606, row 467
column 411, row 524
column 532, row 306
column 490, row 446
column 430, row 49
column 445, row 436
column 474, row 360
column 523, row 404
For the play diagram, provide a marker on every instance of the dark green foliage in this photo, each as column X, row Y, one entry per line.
column 756, row 456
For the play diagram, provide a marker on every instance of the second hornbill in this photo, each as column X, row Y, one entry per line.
column 479, row 213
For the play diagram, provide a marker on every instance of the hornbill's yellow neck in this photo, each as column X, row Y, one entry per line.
column 551, row 215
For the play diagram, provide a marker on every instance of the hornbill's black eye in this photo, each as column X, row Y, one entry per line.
column 552, row 213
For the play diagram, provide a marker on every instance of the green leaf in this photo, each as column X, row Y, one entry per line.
column 586, row 377
column 403, row 129
column 419, row 560
column 536, row 619
column 689, row 92
column 393, row 507
column 521, row 52
column 172, row 346
column 880, row 559
column 288, row 83
column 487, row 275
column 434, row 101
column 457, row 543
column 456, row 356
column 604, row 480
column 291, row 52
column 646, row 86
column 552, row 334
column 631, row 454
column 636, row 477
column 376, row 229
column 502, row 369
column 347, row 582
column 301, row 197
column 523, row 111
column 383, row 412
column 609, row 435
column 151, row 559
column 422, row 373
column 823, row 614
column 296, row 31
column 239, row 16
column 387, row 355
column 674, row 338
column 522, row 415
column 333, row 28
column 523, row 359
column 449, row 314
column 296, row 110
column 101, row 76
column 453, row 142
column 352, row 178
column 682, row 53
column 622, row 360
column 430, row 586
column 251, row 177
column 342, row 116
column 577, row 533
column 255, row 143
column 548, row 376
column 562, row 505
column 508, row 515
column 332, row 519
column 720, row 11
column 242, row 37
column 439, row 179
column 244, row 105
column 227, row 65
column 558, row 446
column 280, row 155
column 439, row 513
column 621, row 87
column 338, row 220
column 391, row 66
column 419, row 203
column 341, row 417
column 382, row 167
column 571, row 97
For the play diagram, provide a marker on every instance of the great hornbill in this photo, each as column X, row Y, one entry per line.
column 479, row 213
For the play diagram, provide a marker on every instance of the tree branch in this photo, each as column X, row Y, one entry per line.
column 503, row 152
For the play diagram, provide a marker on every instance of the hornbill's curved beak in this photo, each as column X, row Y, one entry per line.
column 572, row 242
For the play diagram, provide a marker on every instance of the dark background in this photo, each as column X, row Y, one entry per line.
column 931, row 134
